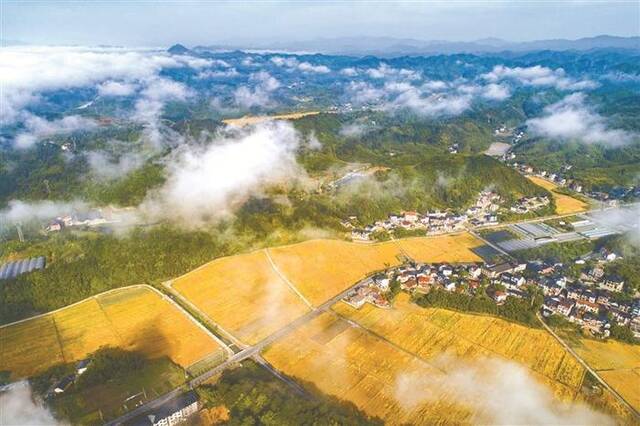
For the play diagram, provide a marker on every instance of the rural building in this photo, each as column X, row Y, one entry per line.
column 172, row 412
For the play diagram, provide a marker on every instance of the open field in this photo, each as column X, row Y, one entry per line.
column 616, row 362
column 442, row 248
column 351, row 364
column 243, row 294
column 564, row 203
column 133, row 318
column 321, row 269
column 248, row 119
column 412, row 372
column 429, row 333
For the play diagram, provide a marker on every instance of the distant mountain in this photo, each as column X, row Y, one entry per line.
column 178, row 49
column 389, row 46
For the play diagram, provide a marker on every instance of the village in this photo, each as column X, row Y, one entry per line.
column 485, row 211
column 593, row 302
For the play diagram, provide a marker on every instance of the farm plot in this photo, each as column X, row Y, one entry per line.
column 320, row 269
column 430, row 333
column 134, row 318
column 243, row 294
column 564, row 203
column 616, row 362
column 351, row 364
column 442, row 248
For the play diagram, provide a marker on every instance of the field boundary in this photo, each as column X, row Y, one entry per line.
column 285, row 279
column 113, row 290
column 587, row 367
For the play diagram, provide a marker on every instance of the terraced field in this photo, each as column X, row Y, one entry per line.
column 243, row 294
column 133, row 318
column 255, row 119
column 564, row 203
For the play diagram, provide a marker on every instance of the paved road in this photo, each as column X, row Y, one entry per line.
column 588, row 368
column 255, row 350
column 245, row 353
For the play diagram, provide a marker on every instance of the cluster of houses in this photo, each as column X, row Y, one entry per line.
column 372, row 290
column 611, row 196
column 484, row 211
column 589, row 301
column 91, row 218
column 530, row 204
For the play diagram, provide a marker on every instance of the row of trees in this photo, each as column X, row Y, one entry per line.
column 522, row 311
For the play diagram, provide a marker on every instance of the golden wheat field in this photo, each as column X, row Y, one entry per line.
column 255, row 119
column 243, row 294
column 429, row 333
column 616, row 362
column 442, row 248
column 351, row 364
column 133, row 318
column 564, row 203
column 320, row 269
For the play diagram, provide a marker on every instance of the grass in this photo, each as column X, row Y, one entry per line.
column 133, row 318
column 564, row 203
column 243, row 294
column 107, row 400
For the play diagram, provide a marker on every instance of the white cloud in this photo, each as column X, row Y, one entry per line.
column 116, row 88
column 307, row 67
column 17, row 407
column 349, row 72
column 104, row 166
column 260, row 94
column 148, row 108
column 226, row 73
column 364, row 93
column 21, row 211
column 496, row 92
column 386, row 72
column 353, row 130
column 205, row 183
column 36, row 128
column 430, row 105
column 571, row 118
column 29, row 71
column 496, row 391
column 293, row 63
column 538, row 76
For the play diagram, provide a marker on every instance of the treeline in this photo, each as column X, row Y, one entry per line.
column 80, row 267
column 251, row 395
column 522, row 311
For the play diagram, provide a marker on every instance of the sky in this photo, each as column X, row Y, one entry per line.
column 163, row 23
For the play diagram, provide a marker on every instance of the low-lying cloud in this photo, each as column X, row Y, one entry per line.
column 36, row 128
column 292, row 64
column 264, row 84
column 206, row 183
column 538, row 76
column 18, row 408
column 495, row 391
column 572, row 119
